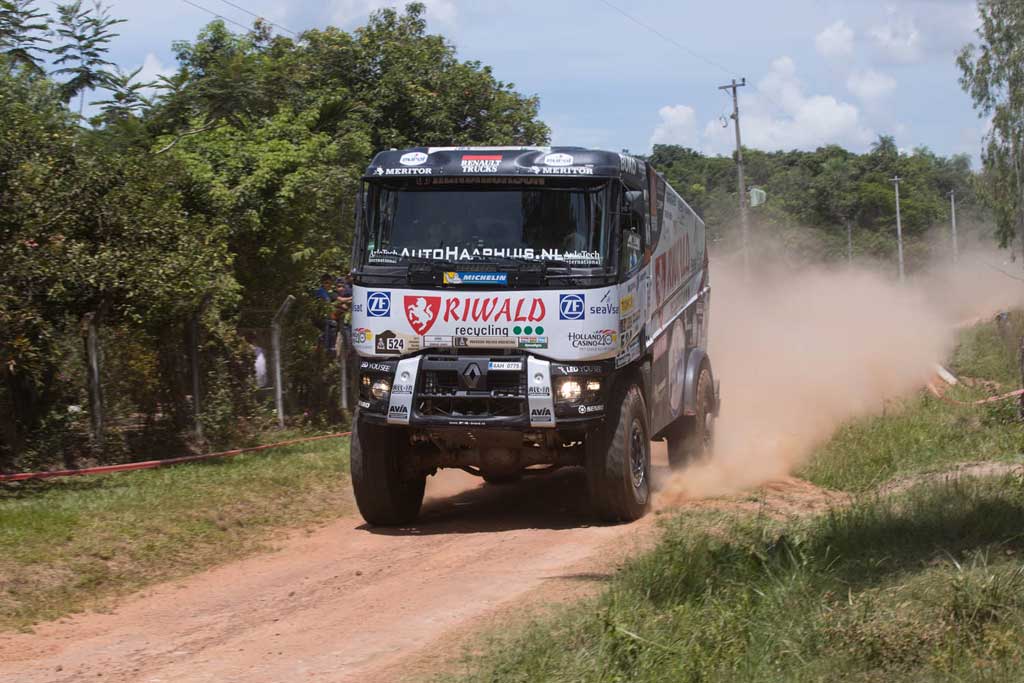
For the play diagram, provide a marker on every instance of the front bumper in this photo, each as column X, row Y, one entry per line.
column 505, row 392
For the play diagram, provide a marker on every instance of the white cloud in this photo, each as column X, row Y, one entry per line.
column 835, row 41
column 678, row 126
column 153, row 68
column 899, row 39
column 870, row 85
column 346, row 12
column 779, row 115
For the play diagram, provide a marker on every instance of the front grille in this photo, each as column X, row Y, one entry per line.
column 450, row 386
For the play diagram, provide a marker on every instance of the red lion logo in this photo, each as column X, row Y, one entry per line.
column 421, row 312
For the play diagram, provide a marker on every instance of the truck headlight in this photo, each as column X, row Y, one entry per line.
column 570, row 390
column 380, row 389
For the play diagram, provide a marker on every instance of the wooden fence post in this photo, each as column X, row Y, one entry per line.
column 194, row 353
column 1020, row 358
column 275, row 343
column 93, row 361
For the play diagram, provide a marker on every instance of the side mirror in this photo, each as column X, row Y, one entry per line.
column 633, row 202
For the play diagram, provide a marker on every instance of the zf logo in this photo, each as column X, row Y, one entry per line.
column 570, row 307
column 378, row 304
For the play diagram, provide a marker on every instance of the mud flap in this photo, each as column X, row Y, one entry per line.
column 400, row 405
column 539, row 393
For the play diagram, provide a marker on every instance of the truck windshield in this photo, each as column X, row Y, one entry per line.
column 562, row 222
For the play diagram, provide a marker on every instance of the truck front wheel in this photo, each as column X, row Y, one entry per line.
column 619, row 461
column 385, row 494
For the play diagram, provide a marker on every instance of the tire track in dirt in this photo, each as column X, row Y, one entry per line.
column 349, row 603
column 343, row 603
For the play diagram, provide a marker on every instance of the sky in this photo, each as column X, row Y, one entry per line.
column 817, row 71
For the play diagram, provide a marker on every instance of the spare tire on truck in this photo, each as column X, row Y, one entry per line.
column 385, row 494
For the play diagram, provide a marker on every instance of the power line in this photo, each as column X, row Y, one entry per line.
column 262, row 18
column 219, row 16
column 669, row 39
column 688, row 51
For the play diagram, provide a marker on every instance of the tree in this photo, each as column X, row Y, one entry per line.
column 23, row 31
column 127, row 97
column 86, row 32
column 992, row 73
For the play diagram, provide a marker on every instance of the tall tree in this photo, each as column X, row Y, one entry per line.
column 992, row 73
column 86, row 31
column 23, row 33
column 127, row 96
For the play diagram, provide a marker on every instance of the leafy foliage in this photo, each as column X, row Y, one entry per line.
column 233, row 186
column 992, row 73
column 23, row 34
column 827, row 189
column 85, row 33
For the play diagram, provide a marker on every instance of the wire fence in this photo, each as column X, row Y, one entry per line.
column 124, row 394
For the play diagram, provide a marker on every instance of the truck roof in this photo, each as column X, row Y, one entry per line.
column 551, row 162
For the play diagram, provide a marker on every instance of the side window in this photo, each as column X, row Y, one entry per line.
column 631, row 252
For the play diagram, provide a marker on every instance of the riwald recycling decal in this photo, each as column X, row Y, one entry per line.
column 398, row 322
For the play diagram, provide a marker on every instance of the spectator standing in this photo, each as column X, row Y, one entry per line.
column 328, row 325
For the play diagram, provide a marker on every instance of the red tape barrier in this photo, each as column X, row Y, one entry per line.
column 151, row 464
column 991, row 399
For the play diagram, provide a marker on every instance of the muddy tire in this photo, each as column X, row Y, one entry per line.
column 618, row 461
column 384, row 495
column 692, row 439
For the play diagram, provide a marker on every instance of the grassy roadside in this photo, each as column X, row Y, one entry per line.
column 923, row 584
column 927, row 585
column 66, row 545
column 925, row 433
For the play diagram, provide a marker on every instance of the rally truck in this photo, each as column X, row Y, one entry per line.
column 521, row 309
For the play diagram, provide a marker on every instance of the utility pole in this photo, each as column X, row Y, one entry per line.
column 899, row 224
column 739, row 171
column 952, row 214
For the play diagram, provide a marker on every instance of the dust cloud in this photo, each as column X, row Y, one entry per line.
column 798, row 351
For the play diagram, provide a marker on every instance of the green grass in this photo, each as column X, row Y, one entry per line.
column 69, row 544
column 925, row 433
column 924, row 586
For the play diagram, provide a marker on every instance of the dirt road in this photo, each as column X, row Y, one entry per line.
column 345, row 603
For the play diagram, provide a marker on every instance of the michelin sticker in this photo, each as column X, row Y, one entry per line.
column 463, row 278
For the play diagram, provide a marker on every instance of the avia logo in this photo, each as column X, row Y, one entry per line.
column 398, row 411
column 540, row 415
column 421, row 312
column 571, row 307
column 378, row 304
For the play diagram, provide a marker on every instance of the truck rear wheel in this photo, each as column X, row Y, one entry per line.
column 619, row 461
column 692, row 438
column 385, row 495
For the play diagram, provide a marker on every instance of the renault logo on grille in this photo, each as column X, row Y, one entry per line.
column 472, row 375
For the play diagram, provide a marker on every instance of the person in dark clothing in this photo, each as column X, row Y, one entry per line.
column 326, row 291
column 328, row 325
